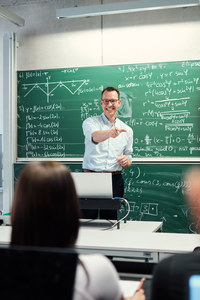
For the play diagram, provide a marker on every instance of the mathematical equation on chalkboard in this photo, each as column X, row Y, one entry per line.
column 157, row 192
column 159, row 101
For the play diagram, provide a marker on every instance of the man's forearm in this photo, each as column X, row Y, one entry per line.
column 100, row 136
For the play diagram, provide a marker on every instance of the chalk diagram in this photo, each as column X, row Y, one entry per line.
column 125, row 110
column 49, row 87
column 150, row 209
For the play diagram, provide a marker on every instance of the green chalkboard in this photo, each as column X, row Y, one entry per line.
column 160, row 101
column 155, row 193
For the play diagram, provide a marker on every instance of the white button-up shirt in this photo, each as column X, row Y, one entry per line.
column 103, row 156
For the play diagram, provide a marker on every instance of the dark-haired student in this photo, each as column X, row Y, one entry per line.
column 171, row 275
column 46, row 189
column 108, row 145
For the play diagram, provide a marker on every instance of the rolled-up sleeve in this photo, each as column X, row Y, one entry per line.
column 89, row 126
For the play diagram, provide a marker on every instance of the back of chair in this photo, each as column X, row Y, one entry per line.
column 37, row 273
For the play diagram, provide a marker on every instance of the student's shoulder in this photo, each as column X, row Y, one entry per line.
column 178, row 262
column 103, row 276
column 187, row 258
column 94, row 258
column 97, row 262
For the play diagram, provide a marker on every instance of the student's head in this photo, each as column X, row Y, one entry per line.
column 45, row 210
column 192, row 193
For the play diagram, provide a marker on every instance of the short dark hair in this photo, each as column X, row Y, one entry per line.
column 45, row 210
column 110, row 89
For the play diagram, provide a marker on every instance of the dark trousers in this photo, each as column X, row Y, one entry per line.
column 118, row 191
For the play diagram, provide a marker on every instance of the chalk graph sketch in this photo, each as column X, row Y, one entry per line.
column 48, row 88
column 142, row 209
column 125, row 109
column 149, row 209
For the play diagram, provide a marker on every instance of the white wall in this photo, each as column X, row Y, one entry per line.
column 45, row 42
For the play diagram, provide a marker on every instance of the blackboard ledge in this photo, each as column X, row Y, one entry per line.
column 184, row 160
column 66, row 159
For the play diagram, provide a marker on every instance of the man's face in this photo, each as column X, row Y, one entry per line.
column 110, row 107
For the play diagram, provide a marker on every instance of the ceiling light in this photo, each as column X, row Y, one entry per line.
column 6, row 14
column 122, row 7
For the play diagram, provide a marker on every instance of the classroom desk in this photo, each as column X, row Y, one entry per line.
column 150, row 246
column 134, row 226
column 97, row 226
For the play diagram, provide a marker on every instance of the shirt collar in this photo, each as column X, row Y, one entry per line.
column 106, row 121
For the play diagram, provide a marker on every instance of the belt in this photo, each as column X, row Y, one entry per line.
column 91, row 171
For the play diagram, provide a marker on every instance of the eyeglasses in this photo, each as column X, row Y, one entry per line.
column 112, row 101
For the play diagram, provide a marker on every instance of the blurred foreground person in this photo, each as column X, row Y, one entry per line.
column 171, row 275
column 45, row 213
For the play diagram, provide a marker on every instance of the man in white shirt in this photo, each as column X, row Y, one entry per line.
column 108, row 146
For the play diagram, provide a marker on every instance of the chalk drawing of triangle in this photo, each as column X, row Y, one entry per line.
column 73, row 86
